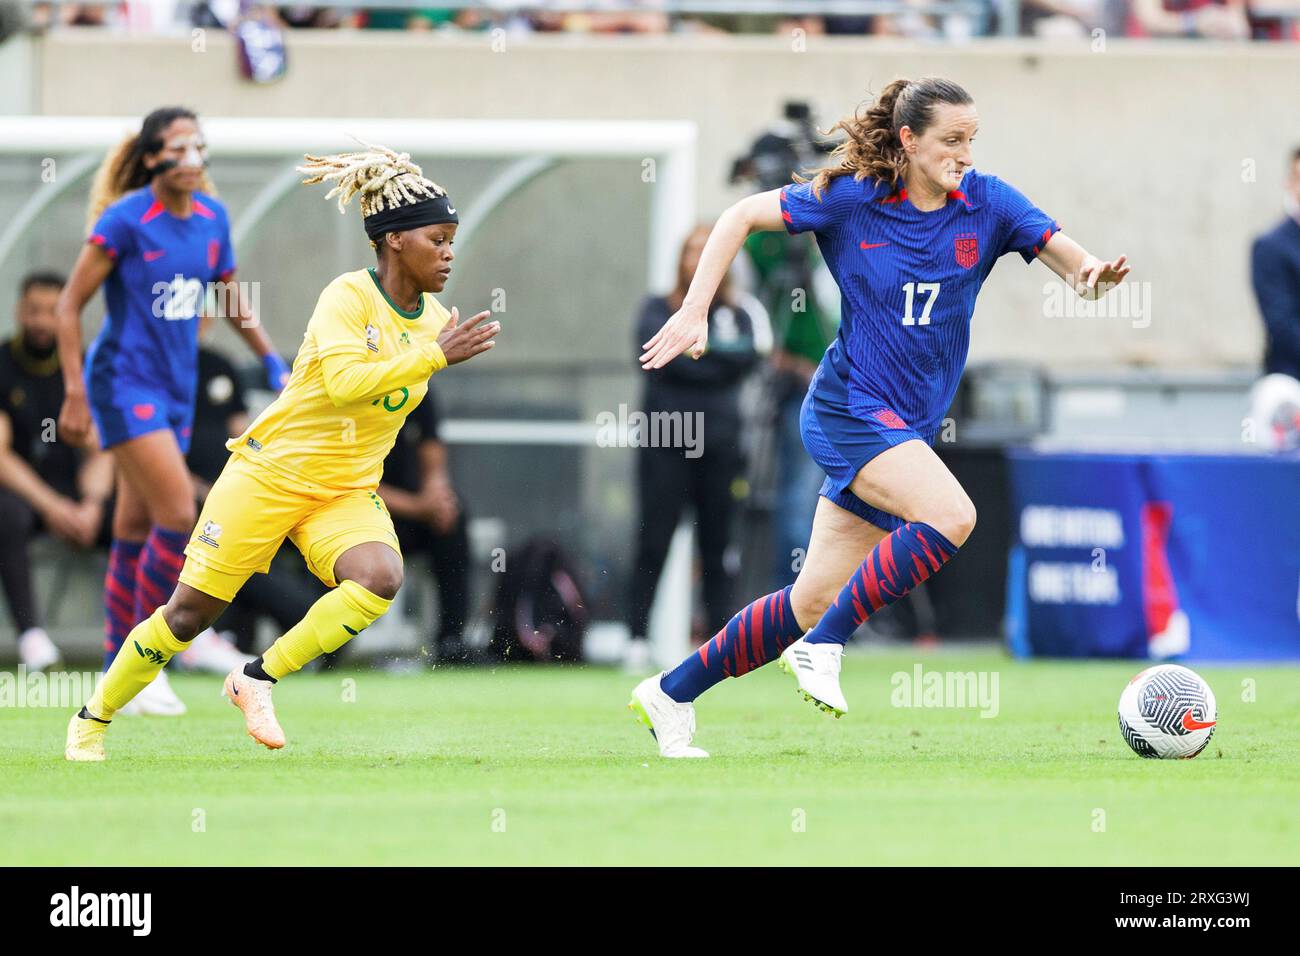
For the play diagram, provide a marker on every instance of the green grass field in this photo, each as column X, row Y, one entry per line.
column 520, row 765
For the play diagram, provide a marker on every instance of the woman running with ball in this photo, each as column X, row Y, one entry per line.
column 910, row 232
column 309, row 467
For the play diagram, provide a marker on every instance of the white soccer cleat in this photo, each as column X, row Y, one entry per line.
column 156, row 700
column 36, row 650
column 212, row 654
column 671, row 723
column 817, row 669
column 253, row 697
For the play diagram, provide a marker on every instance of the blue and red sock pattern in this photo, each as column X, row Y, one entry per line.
column 901, row 561
column 755, row 636
column 160, row 566
column 119, row 595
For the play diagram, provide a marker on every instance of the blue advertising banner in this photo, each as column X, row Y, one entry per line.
column 1154, row 556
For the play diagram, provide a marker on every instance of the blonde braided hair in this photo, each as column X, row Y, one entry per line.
column 383, row 178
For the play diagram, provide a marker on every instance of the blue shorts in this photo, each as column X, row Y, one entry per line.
column 132, row 412
column 841, row 442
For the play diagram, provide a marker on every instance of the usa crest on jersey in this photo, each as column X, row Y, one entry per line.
column 967, row 249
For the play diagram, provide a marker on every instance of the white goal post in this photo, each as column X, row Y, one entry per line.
column 667, row 148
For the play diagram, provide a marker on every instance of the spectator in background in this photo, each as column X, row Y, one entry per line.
column 429, row 520
column 1275, row 275
column 308, row 16
column 1215, row 19
column 45, row 484
column 1274, row 19
column 945, row 25
column 47, row 15
column 804, row 324
column 1064, row 18
column 670, row 479
column 407, row 18
column 285, row 593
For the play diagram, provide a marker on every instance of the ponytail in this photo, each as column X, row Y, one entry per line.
column 871, row 144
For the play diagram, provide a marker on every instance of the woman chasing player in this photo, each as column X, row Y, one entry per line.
column 910, row 231
column 309, row 466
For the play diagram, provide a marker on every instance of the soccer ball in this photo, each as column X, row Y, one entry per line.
column 1167, row 711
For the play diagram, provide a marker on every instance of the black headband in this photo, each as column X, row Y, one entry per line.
column 426, row 212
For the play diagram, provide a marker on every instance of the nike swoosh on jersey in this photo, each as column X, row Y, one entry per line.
column 872, row 245
column 151, row 255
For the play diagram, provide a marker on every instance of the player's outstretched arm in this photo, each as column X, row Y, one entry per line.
column 1087, row 275
column 239, row 313
column 350, row 378
column 688, row 328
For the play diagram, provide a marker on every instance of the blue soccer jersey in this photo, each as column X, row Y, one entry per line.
column 908, row 281
column 148, row 344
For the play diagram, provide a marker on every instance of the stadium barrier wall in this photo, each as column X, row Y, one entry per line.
column 1156, row 556
column 1170, row 152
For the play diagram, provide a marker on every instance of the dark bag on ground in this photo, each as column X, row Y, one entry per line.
column 540, row 612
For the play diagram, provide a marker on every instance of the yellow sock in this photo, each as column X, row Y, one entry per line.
column 330, row 623
column 146, row 649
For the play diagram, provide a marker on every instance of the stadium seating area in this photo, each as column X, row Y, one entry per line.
column 942, row 20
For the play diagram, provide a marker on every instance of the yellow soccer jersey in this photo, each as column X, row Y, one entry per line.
column 388, row 355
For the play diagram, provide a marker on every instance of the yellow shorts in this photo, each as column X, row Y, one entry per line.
column 252, row 509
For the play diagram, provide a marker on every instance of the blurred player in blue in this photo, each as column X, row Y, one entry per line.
column 910, row 231
column 159, row 244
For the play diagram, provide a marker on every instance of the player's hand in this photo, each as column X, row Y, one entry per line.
column 277, row 371
column 75, row 425
column 444, row 509
column 686, row 330
column 64, row 519
column 89, row 517
column 1097, row 277
column 460, row 342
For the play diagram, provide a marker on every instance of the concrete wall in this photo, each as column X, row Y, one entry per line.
column 18, row 76
column 1170, row 153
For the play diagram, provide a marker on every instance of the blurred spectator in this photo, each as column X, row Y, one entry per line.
column 306, row 15
column 407, row 18
column 1275, row 274
column 671, row 479
column 1061, row 18
column 1215, row 19
column 804, row 328
column 429, row 520
column 286, row 592
column 617, row 16
column 1274, row 19
column 45, row 484
column 847, row 26
column 13, row 19
column 955, row 25
column 47, row 15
